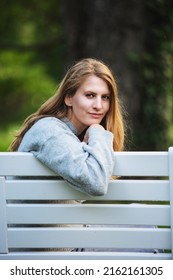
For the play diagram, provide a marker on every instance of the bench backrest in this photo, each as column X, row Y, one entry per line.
column 142, row 196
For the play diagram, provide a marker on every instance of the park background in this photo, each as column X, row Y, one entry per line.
column 40, row 39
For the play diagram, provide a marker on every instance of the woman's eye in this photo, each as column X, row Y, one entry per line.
column 92, row 95
column 89, row 95
column 106, row 97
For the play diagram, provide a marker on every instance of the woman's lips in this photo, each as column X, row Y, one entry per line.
column 95, row 115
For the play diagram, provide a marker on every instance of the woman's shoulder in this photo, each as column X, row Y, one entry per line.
column 49, row 123
column 46, row 128
column 55, row 125
column 42, row 131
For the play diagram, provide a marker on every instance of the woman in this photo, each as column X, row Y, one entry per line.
column 77, row 130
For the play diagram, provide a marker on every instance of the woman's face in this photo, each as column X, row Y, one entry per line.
column 90, row 103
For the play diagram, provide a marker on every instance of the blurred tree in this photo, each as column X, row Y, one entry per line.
column 30, row 60
column 38, row 39
column 135, row 38
column 23, row 86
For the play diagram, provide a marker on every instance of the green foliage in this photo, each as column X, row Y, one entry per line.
column 30, row 60
column 24, row 86
column 29, row 22
column 7, row 136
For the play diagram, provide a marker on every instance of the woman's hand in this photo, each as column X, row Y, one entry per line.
column 86, row 136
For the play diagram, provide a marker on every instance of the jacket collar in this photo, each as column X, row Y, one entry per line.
column 70, row 125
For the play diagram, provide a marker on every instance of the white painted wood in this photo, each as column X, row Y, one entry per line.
column 3, row 219
column 134, row 214
column 89, row 238
column 171, row 192
column 146, row 209
column 87, row 256
column 126, row 164
column 149, row 190
column 141, row 164
column 22, row 164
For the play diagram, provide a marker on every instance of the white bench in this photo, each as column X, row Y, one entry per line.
column 29, row 202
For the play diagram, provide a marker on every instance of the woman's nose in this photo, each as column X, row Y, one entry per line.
column 98, row 103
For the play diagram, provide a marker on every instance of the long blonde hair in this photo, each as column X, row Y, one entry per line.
column 55, row 106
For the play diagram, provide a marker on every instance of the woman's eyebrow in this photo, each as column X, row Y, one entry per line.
column 94, row 92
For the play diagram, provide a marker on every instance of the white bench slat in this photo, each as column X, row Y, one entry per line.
column 150, row 190
column 3, row 218
column 88, row 214
column 126, row 164
column 22, row 164
column 141, row 164
column 86, row 256
column 171, row 190
column 89, row 238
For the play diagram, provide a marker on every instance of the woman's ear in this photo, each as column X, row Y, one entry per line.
column 68, row 101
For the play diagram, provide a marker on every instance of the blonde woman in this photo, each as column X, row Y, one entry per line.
column 76, row 132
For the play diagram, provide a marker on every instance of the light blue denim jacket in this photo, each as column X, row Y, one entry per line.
column 88, row 167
